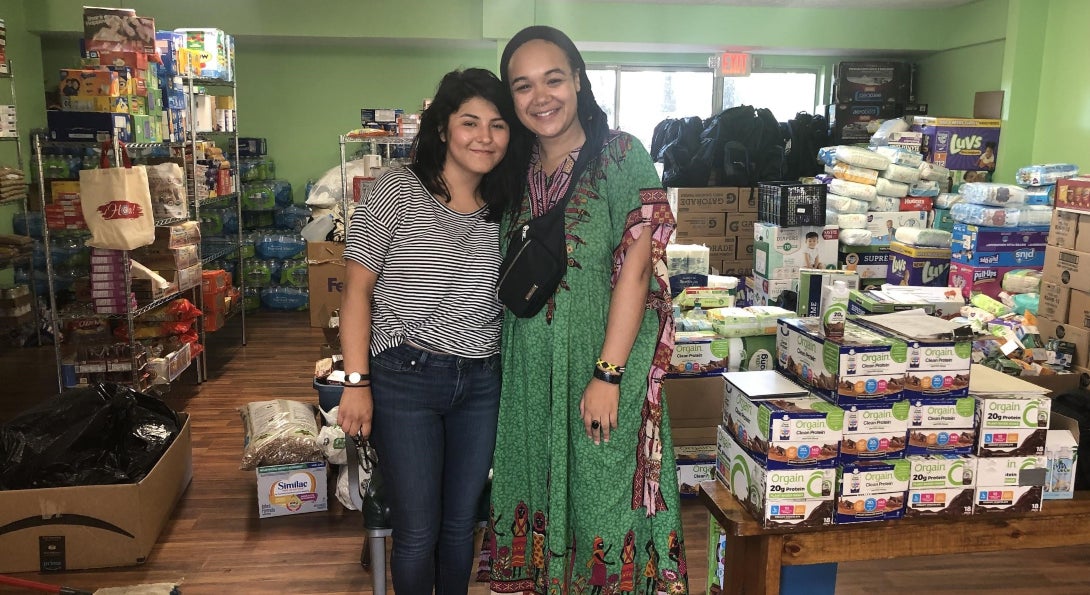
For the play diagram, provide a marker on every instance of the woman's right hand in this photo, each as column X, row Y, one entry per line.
column 354, row 413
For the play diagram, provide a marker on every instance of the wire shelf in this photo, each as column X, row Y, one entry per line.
column 217, row 199
column 71, row 315
column 169, row 221
column 211, row 82
column 219, row 253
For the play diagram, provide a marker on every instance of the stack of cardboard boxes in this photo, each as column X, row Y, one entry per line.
column 1064, row 311
column 720, row 218
column 866, row 92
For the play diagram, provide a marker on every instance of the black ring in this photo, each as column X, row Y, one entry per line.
column 594, row 425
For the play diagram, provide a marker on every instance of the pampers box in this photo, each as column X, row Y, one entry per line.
column 918, row 266
column 780, row 252
column 965, row 144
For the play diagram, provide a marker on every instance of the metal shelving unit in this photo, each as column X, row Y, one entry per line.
column 192, row 83
column 376, row 142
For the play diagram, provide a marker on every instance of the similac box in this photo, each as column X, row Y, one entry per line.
column 1012, row 426
column 872, row 430
column 777, row 498
column 863, row 367
column 941, row 485
column 291, row 489
column 871, row 491
column 778, row 425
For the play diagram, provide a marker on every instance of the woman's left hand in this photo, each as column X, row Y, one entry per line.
column 599, row 403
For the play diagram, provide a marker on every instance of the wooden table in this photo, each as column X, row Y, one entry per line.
column 754, row 555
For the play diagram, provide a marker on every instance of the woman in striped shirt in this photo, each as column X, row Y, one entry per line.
column 420, row 326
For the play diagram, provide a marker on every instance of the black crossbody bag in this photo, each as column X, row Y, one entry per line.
column 537, row 255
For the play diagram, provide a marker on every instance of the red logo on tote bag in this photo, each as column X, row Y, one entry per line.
column 120, row 209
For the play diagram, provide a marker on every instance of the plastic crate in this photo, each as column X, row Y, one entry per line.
column 329, row 395
column 791, row 204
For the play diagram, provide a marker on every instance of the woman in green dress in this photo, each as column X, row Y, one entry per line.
column 585, row 495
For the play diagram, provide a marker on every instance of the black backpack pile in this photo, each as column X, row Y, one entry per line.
column 740, row 146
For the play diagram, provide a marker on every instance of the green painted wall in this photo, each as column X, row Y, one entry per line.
column 1063, row 120
column 949, row 80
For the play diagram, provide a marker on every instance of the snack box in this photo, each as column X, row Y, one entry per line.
column 1011, row 425
column 871, row 491
column 941, row 485
column 863, row 367
column 778, row 425
column 777, row 498
column 89, row 83
column 699, row 353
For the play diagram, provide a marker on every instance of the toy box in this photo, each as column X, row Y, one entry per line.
column 918, row 266
column 873, row 82
column 984, row 279
column 974, row 238
column 941, row 485
column 883, row 224
column 780, row 252
column 870, row 262
column 1030, row 257
column 864, row 367
column 778, row 497
column 777, row 424
column 1012, row 426
column 89, row 83
column 871, row 491
column 964, row 144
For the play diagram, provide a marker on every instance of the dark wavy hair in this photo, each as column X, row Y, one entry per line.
column 429, row 150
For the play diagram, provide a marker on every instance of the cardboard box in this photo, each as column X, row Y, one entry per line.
column 864, row 367
column 177, row 235
column 1082, row 237
column 1031, row 257
column 1011, row 471
column 744, row 250
column 78, row 103
column 747, row 200
column 964, row 144
column 941, row 485
column 986, row 279
column 941, row 219
column 1064, row 229
column 1012, row 426
column 690, row 225
column 768, row 291
column 717, row 199
column 1062, row 454
column 88, row 126
column 89, row 83
column 1069, row 268
column 1080, row 336
column 871, row 491
column 1011, row 499
column 326, row 277
column 776, row 498
column 694, row 465
column 850, row 121
column 292, row 489
column 1073, row 194
column 780, row 252
column 936, row 367
column 883, row 224
column 698, row 353
column 734, row 268
column 775, row 421
column 974, row 238
column 720, row 248
column 873, row 301
column 918, row 266
column 1078, row 313
column 872, row 82
column 810, row 283
column 695, row 406
column 870, row 262
column 96, row 526
column 741, row 224
column 873, row 431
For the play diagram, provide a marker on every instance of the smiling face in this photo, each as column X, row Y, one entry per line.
column 544, row 88
column 476, row 137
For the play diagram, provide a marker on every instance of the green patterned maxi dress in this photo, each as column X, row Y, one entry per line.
column 569, row 516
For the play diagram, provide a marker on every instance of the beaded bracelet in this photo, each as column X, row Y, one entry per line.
column 608, row 367
column 609, row 377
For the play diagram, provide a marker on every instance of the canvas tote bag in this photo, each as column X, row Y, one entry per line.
column 116, row 204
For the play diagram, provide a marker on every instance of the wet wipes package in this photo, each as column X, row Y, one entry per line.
column 941, row 485
column 863, row 367
column 1012, row 426
column 871, row 491
column 777, row 497
column 778, row 425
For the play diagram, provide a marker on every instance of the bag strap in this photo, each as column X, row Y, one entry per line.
column 594, row 141
column 107, row 148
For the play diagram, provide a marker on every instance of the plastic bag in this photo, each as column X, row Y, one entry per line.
column 279, row 432
column 100, row 435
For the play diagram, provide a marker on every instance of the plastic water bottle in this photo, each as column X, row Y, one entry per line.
column 318, row 230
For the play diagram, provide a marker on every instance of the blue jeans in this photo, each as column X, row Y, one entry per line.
column 434, row 430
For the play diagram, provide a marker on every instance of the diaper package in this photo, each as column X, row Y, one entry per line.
column 886, row 204
column 851, row 221
column 975, row 214
column 915, row 236
column 933, row 172
column 888, row 127
column 1041, row 195
column 851, row 173
column 831, row 216
column 853, row 190
column 855, row 237
column 890, row 188
column 988, row 193
column 924, row 188
column 946, row 200
column 900, row 156
column 845, row 205
column 1044, row 175
column 1022, row 281
column 856, row 156
column 901, row 173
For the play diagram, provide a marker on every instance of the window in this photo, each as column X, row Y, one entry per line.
column 637, row 99
column 785, row 93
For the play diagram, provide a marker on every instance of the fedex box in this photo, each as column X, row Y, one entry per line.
column 325, row 280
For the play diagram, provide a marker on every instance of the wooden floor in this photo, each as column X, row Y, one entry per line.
column 214, row 542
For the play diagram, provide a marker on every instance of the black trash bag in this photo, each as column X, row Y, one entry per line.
column 101, row 435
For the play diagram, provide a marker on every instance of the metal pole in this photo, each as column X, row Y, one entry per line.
column 48, row 268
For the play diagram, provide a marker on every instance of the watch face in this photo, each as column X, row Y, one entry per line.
column 354, row 378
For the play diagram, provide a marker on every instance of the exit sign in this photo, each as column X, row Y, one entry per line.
column 734, row 64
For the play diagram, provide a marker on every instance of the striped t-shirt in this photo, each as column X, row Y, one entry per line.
column 436, row 269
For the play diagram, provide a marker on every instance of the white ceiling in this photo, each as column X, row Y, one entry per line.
column 872, row 4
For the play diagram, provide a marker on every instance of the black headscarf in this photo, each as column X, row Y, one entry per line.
column 593, row 119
